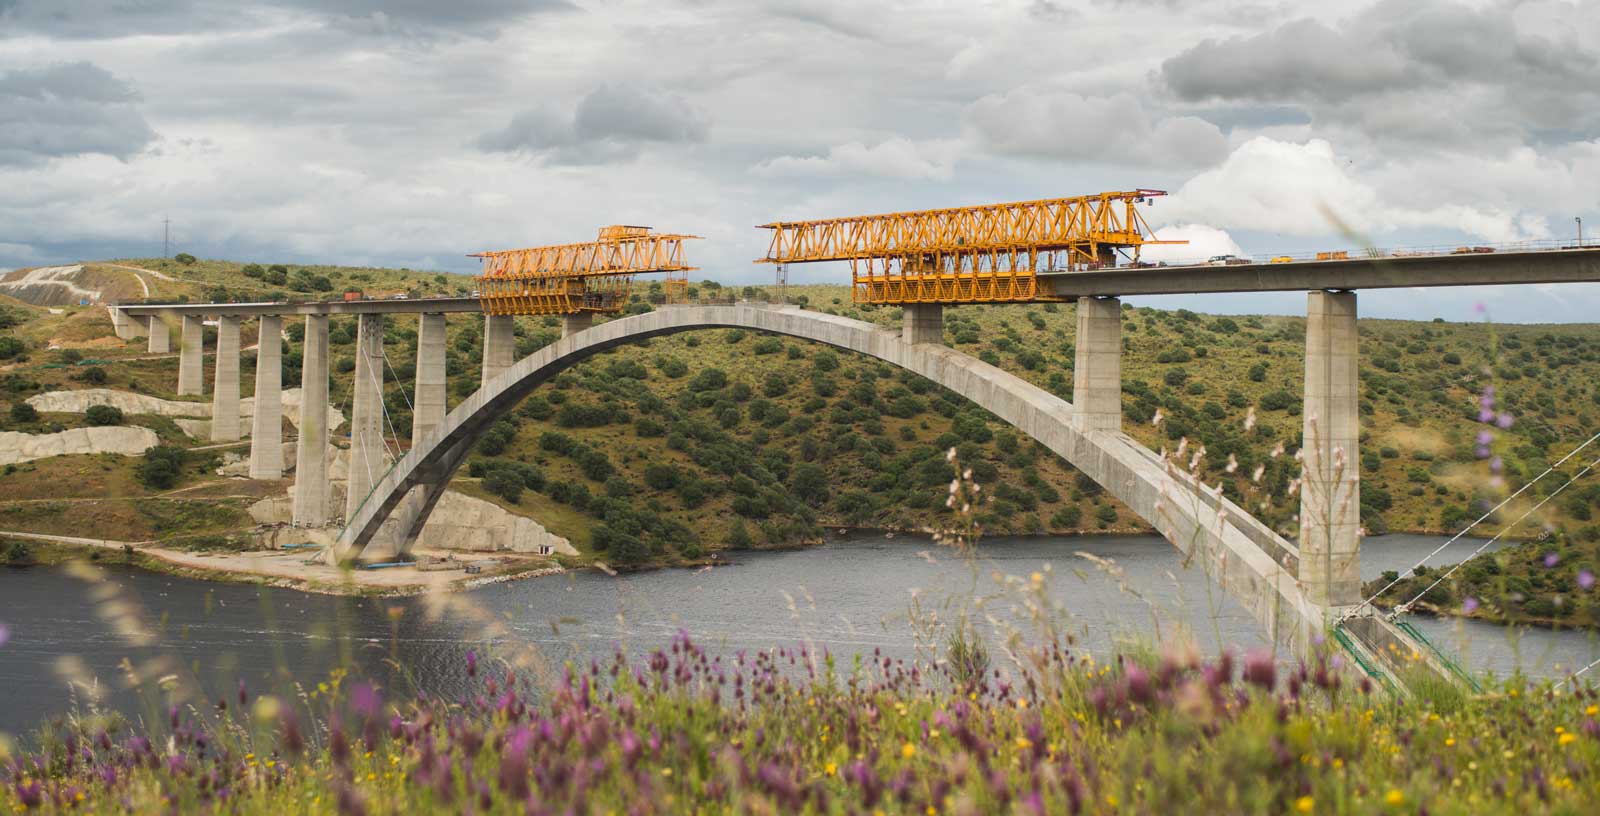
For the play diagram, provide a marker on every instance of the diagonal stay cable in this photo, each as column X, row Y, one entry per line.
column 1580, row 672
column 1441, row 548
column 1542, row 502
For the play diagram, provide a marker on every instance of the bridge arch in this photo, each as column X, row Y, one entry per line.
column 1248, row 560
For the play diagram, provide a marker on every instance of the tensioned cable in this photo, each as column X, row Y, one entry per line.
column 1503, row 531
column 1579, row 672
column 1469, row 527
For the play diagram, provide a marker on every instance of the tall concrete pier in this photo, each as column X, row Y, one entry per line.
column 367, row 460
column 923, row 323
column 160, row 335
column 1097, row 366
column 266, row 425
column 428, row 403
column 225, row 385
column 573, row 323
column 499, row 345
column 191, row 356
column 312, row 493
column 1330, row 493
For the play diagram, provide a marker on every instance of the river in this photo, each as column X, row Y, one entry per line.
column 852, row 595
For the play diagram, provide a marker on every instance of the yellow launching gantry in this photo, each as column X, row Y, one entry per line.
column 988, row 254
column 588, row 277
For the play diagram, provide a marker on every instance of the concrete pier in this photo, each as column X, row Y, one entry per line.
column 924, row 323
column 573, row 323
column 266, row 425
column 160, row 335
column 312, row 493
column 1097, row 366
column 428, row 403
column 125, row 325
column 191, row 356
column 225, row 384
column 1330, row 491
column 367, row 460
column 499, row 345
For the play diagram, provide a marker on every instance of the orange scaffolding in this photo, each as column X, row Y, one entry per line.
column 986, row 254
column 595, row 276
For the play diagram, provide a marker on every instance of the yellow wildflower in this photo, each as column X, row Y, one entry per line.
column 1592, row 710
column 1394, row 797
column 908, row 750
column 1303, row 804
column 666, row 772
column 1567, row 739
column 830, row 769
column 1450, row 742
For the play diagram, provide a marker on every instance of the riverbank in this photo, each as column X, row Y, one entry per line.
column 290, row 569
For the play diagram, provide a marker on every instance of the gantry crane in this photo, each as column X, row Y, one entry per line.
column 987, row 254
column 589, row 277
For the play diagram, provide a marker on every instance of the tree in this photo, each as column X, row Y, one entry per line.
column 161, row 466
column 184, row 258
column 23, row 413
column 738, row 537
column 11, row 347
column 810, row 484
column 505, row 483
column 253, row 271
column 102, row 415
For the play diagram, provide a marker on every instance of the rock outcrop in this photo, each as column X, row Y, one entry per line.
column 192, row 417
column 22, row 447
column 459, row 522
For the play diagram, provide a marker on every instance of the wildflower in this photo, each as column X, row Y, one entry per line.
column 5, row 634
column 1259, row 669
column 830, row 769
column 1303, row 804
column 1469, row 604
column 1394, row 797
column 908, row 750
column 1585, row 579
column 1551, row 559
column 1592, row 710
column 472, row 663
column 1566, row 739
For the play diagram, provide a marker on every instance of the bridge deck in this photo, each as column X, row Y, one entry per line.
column 309, row 307
column 1542, row 266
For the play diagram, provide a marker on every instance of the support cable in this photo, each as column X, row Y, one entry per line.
column 1542, row 502
column 1469, row 527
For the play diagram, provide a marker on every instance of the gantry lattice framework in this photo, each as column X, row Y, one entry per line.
column 594, row 276
column 985, row 254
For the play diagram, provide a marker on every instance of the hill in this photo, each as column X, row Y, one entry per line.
column 664, row 451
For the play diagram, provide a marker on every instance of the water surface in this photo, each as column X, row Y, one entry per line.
column 852, row 595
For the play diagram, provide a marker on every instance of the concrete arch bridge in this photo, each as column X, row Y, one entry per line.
column 1256, row 566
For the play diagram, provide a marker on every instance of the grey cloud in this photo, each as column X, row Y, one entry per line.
column 97, row 19
column 1300, row 59
column 1047, row 124
column 68, row 110
column 610, row 123
column 1503, row 70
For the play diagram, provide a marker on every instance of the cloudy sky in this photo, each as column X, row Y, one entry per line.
column 412, row 132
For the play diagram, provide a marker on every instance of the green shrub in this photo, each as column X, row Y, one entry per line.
column 103, row 415
column 23, row 413
column 161, row 467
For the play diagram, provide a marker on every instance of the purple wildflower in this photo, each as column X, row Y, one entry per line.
column 1551, row 559
column 1585, row 579
column 472, row 663
column 5, row 634
column 1469, row 604
column 1504, row 421
column 1259, row 669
